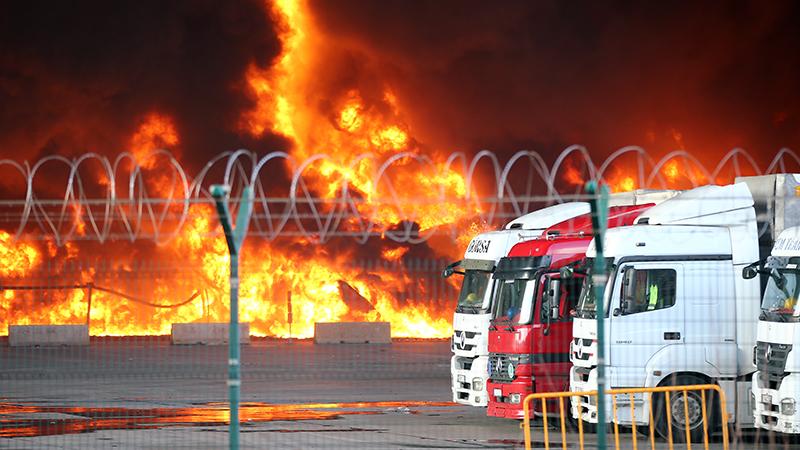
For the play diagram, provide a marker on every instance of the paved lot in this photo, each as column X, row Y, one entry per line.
column 146, row 393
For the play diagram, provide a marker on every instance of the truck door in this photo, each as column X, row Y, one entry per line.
column 647, row 316
column 551, row 349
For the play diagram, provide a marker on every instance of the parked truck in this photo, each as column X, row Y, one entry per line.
column 776, row 383
column 531, row 325
column 473, row 309
column 678, row 310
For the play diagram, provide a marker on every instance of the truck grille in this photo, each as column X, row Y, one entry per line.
column 582, row 341
column 498, row 367
column 582, row 374
column 463, row 363
column 771, row 363
column 463, row 345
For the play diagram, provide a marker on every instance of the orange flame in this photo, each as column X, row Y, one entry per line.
column 323, row 287
column 156, row 132
column 394, row 254
column 283, row 95
column 17, row 259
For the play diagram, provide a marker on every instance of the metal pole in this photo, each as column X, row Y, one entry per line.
column 598, row 200
column 234, row 239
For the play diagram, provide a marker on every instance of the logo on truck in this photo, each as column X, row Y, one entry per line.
column 478, row 246
column 462, row 340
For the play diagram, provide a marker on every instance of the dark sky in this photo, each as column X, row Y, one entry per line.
column 79, row 76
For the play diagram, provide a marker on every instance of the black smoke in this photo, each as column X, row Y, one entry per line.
column 708, row 76
column 78, row 76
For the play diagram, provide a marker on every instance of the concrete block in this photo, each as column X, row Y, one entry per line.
column 207, row 333
column 352, row 333
column 28, row 335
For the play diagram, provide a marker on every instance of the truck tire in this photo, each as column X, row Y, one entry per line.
column 678, row 414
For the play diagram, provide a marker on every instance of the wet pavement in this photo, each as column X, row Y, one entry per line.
column 132, row 393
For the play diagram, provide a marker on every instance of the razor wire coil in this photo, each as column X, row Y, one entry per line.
column 128, row 209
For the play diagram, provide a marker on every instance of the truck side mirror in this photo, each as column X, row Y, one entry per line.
column 566, row 272
column 749, row 272
column 450, row 269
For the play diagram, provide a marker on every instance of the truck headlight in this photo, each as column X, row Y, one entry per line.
column 787, row 406
column 514, row 398
column 511, row 370
column 477, row 384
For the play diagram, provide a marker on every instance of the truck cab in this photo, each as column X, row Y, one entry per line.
column 776, row 384
column 531, row 326
column 468, row 365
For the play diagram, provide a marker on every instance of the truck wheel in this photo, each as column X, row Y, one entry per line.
column 677, row 411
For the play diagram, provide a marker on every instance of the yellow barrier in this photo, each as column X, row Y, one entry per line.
column 666, row 390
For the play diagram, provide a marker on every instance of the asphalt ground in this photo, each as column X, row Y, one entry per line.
column 146, row 393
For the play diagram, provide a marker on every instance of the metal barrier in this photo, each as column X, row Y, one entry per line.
column 544, row 397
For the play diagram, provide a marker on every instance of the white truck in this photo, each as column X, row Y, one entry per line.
column 678, row 310
column 776, row 384
column 468, row 365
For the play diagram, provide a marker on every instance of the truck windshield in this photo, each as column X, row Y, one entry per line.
column 473, row 299
column 587, row 303
column 780, row 302
column 513, row 301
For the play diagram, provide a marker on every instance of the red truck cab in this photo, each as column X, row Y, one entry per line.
column 531, row 325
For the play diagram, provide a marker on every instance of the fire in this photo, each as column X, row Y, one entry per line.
column 619, row 182
column 671, row 171
column 286, row 102
column 394, row 254
column 323, row 287
column 17, row 259
column 157, row 131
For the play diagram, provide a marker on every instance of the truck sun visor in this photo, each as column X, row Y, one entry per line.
column 478, row 264
column 520, row 267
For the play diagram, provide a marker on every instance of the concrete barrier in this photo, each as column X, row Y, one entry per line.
column 207, row 333
column 29, row 335
column 352, row 333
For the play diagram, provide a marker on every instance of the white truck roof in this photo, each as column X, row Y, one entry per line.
column 546, row 217
column 493, row 245
column 788, row 243
column 705, row 205
column 654, row 240
column 641, row 197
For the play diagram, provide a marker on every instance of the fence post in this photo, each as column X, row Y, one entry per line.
column 234, row 239
column 598, row 200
